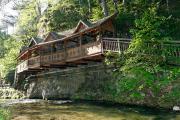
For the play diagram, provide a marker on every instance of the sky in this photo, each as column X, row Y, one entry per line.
column 7, row 10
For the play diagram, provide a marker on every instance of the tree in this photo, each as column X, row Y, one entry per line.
column 104, row 6
column 9, row 51
column 167, row 5
column 89, row 5
column 150, row 27
column 123, row 3
column 144, row 74
column 28, row 19
column 61, row 16
column 116, row 5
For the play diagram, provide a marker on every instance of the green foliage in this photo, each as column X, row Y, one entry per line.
column 4, row 114
column 9, row 78
column 61, row 16
column 27, row 21
column 11, row 93
column 66, row 14
column 96, row 12
column 151, row 30
column 3, row 50
column 10, row 49
column 143, row 76
column 123, row 23
column 142, row 86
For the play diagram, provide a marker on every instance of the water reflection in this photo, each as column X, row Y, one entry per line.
column 86, row 111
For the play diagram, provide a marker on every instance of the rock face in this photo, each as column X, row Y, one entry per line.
column 64, row 83
column 95, row 82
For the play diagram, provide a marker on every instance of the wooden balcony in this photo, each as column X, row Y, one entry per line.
column 32, row 63
column 115, row 44
column 23, row 66
column 72, row 54
column 89, row 51
column 61, row 57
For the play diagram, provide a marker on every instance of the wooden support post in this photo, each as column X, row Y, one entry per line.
column 40, row 57
column 80, row 42
column 15, row 78
column 51, row 52
column 65, row 50
column 27, row 58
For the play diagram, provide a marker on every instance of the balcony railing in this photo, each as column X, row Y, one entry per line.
column 22, row 66
column 89, row 50
column 115, row 44
column 34, row 62
column 68, row 55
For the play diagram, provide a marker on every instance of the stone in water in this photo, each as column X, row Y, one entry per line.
column 176, row 108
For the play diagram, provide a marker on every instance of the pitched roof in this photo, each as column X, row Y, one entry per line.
column 54, row 35
column 35, row 40
column 103, row 20
column 38, row 40
column 70, row 34
column 23, row 48
column 86, row 23
column 67, row 32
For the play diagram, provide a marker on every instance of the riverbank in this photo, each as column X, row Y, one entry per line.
column 84, row 110
column 98, row 82
column 116, row 105
column 10, row 93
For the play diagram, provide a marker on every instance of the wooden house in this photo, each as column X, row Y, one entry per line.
column 87, row 42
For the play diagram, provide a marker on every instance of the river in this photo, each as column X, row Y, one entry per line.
column 67, row 110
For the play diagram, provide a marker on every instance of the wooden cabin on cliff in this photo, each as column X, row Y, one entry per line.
column 86, row 42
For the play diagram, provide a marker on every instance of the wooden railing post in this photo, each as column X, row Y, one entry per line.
column 119, row 50
column 102, row 43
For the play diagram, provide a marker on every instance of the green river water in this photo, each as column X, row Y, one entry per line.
column 56, row 110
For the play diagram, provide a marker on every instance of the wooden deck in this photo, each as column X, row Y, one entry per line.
column 93, row 51
column 62, row 57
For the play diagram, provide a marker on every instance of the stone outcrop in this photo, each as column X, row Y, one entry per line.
column 60, row 84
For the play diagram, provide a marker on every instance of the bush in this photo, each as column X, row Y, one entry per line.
column 4, row 114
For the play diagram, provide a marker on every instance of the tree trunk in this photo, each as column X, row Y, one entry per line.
column 80, row 2
column 89, row 5
column 115, row 5
column 38, row 8
column 124, row 4
column 167, row 5
column 104, row 7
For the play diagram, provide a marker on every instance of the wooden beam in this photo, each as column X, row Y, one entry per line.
column 80, row 42
column 74, row 41
column 60, row 67
column 94, row 60
column 77, row 63
column 63, row 66
column 31, row 70
column 55, row 66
